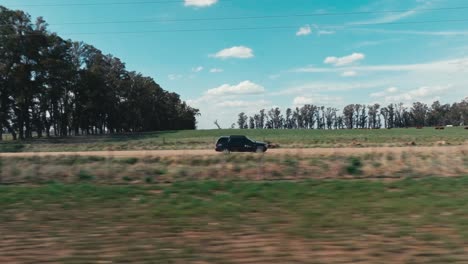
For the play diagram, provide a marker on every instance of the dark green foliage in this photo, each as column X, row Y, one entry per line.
column 130, row 161
column 354, row 166
column 71, row 88
column 160, row 171
column 85, row 176
column 11, row 147
column 361, row 116
column 149, row 179
column 127, row 178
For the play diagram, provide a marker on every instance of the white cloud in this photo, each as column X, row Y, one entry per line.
column 424, row 94
column 387, row 18
column 304, row 31
column 242, row 103
column 240, row 52
column 314, row 29
column 317, row 99
column 445, row 66
column 393, row 17
column 344, row 61
column 197, row 69
column 174, row 77
column 245, row 87
column 349, row 74
column 326, row 32
column 226, row 111
column 415, row 32
column 392, row 90
column 216, row 70
column 388, row 91
column 200, row 3
column 315, row 87
column 302, row 100
column 420, row 94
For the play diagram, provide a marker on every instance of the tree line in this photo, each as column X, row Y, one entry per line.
column 52, row 86
column 358, row 116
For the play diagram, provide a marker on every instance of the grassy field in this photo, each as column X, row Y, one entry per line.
column 204, row 139
column 405, row 221
column 236, row 166
column 388, row 207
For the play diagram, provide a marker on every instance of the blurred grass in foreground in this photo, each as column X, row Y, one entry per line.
column 317, row 221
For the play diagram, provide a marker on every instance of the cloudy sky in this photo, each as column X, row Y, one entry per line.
column 228, row 56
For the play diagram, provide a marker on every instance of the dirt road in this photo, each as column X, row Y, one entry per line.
column 208, row 152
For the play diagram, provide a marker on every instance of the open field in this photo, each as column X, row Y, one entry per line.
column 406, row 221
column 281, row 164
column 379, row 201
column 205, row 139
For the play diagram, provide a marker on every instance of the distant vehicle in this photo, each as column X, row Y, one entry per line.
column 239, row 144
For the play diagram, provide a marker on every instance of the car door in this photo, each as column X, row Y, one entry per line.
column 248, row 145
column 236, row 144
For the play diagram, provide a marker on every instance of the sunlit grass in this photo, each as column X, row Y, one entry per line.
column 205, row 139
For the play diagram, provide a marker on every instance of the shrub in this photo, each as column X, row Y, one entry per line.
column 182, row 172
column 85, row 176
column 7, row 147
column 130, row 161
column 354, row 166
column 149, row 179
column 160, row 171
column 127, row 178
column 237, row 168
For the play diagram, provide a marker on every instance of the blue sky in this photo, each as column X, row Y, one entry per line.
column 373, row 57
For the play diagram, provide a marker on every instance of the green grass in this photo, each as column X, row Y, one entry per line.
column 202, row 139
column 431, row 213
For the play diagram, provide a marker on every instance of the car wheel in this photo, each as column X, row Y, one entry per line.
column 260, row 149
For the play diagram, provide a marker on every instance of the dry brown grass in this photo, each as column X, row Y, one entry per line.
column 291, row 166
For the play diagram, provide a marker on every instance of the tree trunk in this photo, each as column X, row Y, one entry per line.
column 11, row 131
column 21, row 127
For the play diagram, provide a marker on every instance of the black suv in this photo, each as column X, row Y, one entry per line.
column 239, row 144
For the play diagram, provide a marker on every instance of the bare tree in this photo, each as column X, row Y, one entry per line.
column 216, row 124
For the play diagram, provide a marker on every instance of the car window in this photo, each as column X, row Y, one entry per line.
column 237, row 141
column 222, row 140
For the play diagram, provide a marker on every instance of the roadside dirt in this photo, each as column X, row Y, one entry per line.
column 209, row 152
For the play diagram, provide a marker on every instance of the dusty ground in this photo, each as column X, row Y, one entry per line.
column 282, row 151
